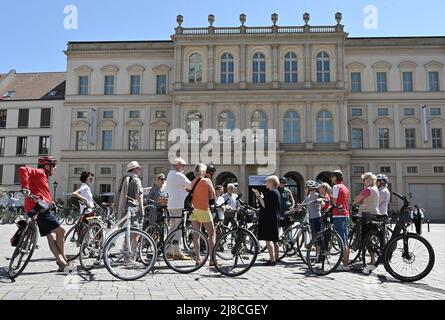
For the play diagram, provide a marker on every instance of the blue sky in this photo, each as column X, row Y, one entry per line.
column 34, row 36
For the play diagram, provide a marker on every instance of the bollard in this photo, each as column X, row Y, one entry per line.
column 428, row 223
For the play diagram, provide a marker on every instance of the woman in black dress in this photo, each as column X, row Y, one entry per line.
column 268, row 223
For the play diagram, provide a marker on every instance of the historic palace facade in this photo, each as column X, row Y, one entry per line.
column 336, row 102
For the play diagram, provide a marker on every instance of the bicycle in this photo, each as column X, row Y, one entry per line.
column 120, row 247
column 239, row 245
column 27, row 243
column 325, row 251
column 249, row 215
column 190, row 259
column 287, row 243
column 403, row 249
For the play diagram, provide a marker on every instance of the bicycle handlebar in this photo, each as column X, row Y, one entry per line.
column 401, row 196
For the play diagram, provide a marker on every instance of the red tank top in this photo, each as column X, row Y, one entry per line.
column 342, row 200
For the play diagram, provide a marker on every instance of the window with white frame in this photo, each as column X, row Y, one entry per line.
column 161, row 84
column 160, row 139
column 226, row 121
column 108, row 114
column 382, row 85
column 22, row 144
column 385, row 169
column 2, row 146
column 109, row 85
column 44, row 143
column 133, row 140
column 194, row 117
column 433, row 81
column 83, row 85
column 356, row 81
column 356, row 112
column 407, row 78
column 408, row 112
column 195, row 68
column 227, row 68
column 411, row 169
column 107, row 140
column 323, row 67
column 259, row 68
column 435, row 112
column 81, row 140
column 410, row 138
column 439, row 169
column 134, row 114
column 105, row 170
column 260, row 125
column 82, row 114
column 292, row 130
column 160, row 114
column 358, row 169
column 382, row 112
column 357, row 138
column 325, row 127
column 135, row 84
column 78, row 170
column 290, row 68
column 383, row 138
column 436, row 138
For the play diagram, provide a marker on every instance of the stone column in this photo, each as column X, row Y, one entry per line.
column 243, row 67
column 210, row 66
column 275, row 66
column 372, row 134
column 343, row 124
column 243, row 118
column 243, row 183
column 340, row 66
column 178, row 67
column 308, row 125
column 120, row 128
column 307, row 66
column 398, row 185
column 211, row 115
column 397, row 126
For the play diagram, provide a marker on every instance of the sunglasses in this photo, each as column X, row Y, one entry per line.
column 162, row 179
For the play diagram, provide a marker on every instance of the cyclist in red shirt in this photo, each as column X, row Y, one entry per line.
column 340, row 215
column 35, row 181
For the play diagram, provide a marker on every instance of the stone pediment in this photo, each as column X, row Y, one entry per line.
column 83, row 69
column 433, row 64
column 408, row 120
column 134, row 123
column 81, row 123
column 407, row 64
column 161, row 68
column 384, row 120
column 107, row 123
column 160, row 123
column 358, row 121
column 381, row 65
column 356, row 65
column 109, row 68
column 136, row 68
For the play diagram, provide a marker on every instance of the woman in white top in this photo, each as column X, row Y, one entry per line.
column 84, row 193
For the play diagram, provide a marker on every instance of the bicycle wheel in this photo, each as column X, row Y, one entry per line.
column 220, row 231
column 123, row 259
column 287, row 244
column 186, row 250
column 303, row 239
column 72, row 242
column 90, row 247
column 354, row 243
column 372, row 248
column 241, row 249
column 261, row 243
column 23, row 252
column 409, row 257
column 325, row 253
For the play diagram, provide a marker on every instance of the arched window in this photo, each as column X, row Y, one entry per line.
column 195, row 68
column 227, row 68
column 292, row 127
column 290, row 68
column 259, row 121
column 325, row 127
column 226, row 121
column 259, row 68
column 192, row 117
column 323, row 67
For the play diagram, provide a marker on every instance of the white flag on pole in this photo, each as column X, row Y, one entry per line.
column 93, row 126
column 424, row 124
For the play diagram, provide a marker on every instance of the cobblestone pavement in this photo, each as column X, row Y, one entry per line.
column 289, row 280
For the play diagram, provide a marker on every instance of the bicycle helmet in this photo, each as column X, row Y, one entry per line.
column 383, row 177
column 211, row 169
column 47, row 160
column 311, row 184
column 283, row 180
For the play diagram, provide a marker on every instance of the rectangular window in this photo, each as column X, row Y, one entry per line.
column 356, row 82
column 105, row 170
column 410, row 138
column 439, row 169
column 83, row 85
column 411, row 169
column 81, row 140
column 382, row 112
column 358, row 169
column 433, row 81
column 108, row 115
column 21, row 146
column 44, row 143
column 159, row 170
column 161, row 84
column 160, row 114
column 82, row 114
column 107, row 140
column 16, row 173
column 78, row 171
column 436, row 138
column 383, row 138
column 385, row 169
column 2, row 146
column 135, row 84
column 45, row 118
column 356, row 112
column 160, row 139
column 381, row 82
column 23, row 118
column 357, row 138
column 407, row 81
column 133, row 140
column 134, row 114
column 105, row 190
column 3, row 114
column 357, row 188
column 408, row 112
column 109, row 85
column 435, row 112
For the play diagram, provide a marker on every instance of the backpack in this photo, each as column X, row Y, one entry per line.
column 16, row 237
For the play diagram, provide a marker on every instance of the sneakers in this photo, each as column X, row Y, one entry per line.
column 343, row 268
column 369, row 268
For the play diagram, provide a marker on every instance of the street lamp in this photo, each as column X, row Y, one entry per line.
column 55, row 189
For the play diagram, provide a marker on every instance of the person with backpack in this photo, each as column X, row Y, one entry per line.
column 34, row 181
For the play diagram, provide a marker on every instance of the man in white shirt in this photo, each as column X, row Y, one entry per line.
column 230, row 207
column 176, row 186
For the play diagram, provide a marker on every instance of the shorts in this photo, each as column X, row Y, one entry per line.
column 46, row 221
column 341, row 226
column 201, row 216
column 315, row 226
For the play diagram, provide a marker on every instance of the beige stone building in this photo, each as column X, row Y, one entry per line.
column 336, row 102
